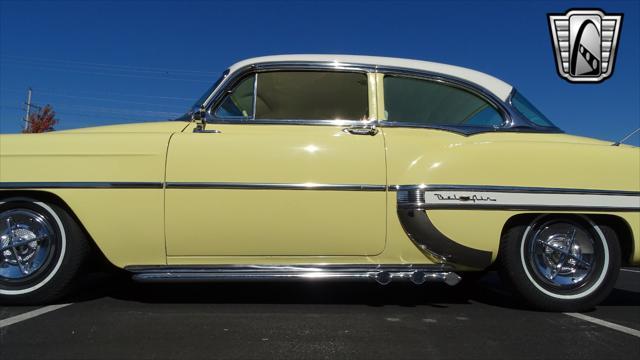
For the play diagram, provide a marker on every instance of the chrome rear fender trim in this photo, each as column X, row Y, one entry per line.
column 427, row 237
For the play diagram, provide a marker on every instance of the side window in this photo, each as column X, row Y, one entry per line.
column 312, row 95
column 298, row 95
column 238, row 104
column 529, row 111
column 432, row 103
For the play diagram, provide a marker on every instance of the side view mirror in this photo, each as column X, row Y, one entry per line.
column 197, row 114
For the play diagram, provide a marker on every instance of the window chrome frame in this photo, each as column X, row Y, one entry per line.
column 217, row 97
column 513, row 121
column 507, row 118
column 519, row 114
column 226, row 91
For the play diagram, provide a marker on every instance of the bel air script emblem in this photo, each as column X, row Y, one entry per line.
column 585, row 44
column 472, row 198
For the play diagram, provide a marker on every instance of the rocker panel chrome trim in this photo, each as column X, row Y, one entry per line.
column 382, row 274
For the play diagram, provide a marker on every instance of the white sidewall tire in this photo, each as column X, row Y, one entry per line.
column 63, row 247
column 592, row 288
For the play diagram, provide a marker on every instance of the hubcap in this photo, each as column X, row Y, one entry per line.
column 562, row 254
column 26, row 239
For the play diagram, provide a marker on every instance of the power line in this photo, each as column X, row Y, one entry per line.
column 99, row 112
column 96, row 98
column 96, row 116
column 33, row 105
column 45, row 67
column 114, row 110
column 93, row 69
column 57, row 91
column 85, row 63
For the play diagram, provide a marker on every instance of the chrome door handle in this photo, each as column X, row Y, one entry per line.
column 207, row 131
column 362, row 130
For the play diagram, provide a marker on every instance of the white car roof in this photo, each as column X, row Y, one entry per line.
column 494, row 85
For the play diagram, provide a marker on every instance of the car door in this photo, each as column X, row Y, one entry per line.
column 282, row 169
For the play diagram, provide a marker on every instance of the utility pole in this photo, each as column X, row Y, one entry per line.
column 26, row 119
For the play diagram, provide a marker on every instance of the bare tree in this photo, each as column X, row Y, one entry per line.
column 42, row 121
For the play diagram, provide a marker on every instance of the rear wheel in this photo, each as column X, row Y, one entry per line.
column 561, row 263
column 41, row 251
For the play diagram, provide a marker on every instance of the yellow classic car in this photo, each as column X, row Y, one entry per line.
column 326, row 167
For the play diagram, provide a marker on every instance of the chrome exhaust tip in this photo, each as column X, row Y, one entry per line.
column 452, row 278
column 449, row 278
column 418, row 277
column 382, row 277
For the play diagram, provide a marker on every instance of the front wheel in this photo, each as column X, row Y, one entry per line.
column 561, row 263
column 42, row 249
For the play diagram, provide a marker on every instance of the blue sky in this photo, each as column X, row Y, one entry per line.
column 124, row 61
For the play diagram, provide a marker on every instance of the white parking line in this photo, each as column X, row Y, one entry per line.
column 607, row 324
column 30, row 314
column 631, row 270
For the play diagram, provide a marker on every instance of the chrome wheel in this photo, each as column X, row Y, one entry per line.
column 563, row 255
column 26, row 242
column 560, row 262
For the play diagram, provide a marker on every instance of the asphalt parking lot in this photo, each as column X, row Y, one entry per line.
column 112, row 318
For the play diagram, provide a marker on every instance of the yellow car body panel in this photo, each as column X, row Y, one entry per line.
column 126, row 224
column 249, row 222
column 425, row 156
column 436, row 157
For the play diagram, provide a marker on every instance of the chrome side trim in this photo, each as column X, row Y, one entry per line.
column 81, row 185
column 461, row 197
column 383, row 274
column 274, row 186
column 516, row 189
column 191, row 185
column 328, row 122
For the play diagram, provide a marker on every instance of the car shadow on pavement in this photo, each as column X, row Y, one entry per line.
column 620, row 297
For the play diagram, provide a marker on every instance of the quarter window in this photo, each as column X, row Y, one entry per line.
column 529, row 111
column 238, row 103
column 432, row 103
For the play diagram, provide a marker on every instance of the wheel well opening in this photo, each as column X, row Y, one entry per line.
column 616, row 223
column 97, row 259
column 623, row 232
